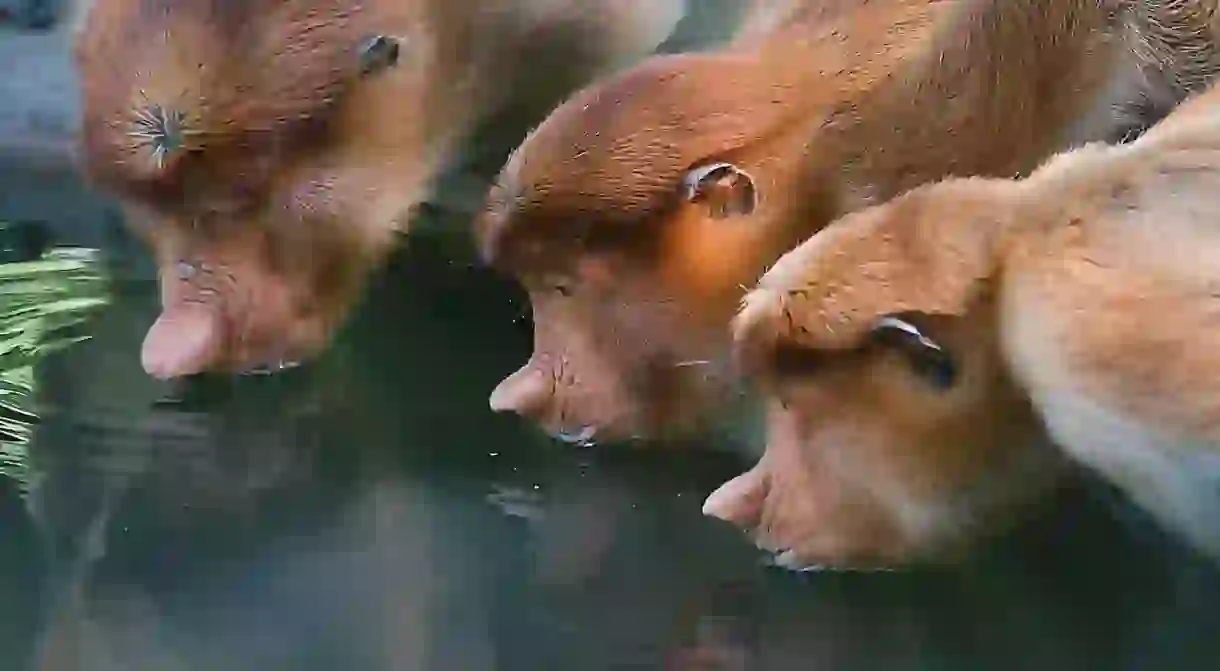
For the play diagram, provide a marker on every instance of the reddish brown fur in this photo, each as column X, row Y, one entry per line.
column 294, row 170
column 577, row 201
column 1079, row 305
column 844, row 105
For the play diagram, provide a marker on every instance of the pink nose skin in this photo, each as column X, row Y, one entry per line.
column 740, row 500
column 183, row 341
column 526, row 392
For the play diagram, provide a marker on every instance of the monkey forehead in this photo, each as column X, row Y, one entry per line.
column 619, row 149
column 924, row 251
column 228, row 69
column 824, row 295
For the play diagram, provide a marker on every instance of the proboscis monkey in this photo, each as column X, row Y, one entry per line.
column 925, row 360
column 640, row 210
column 268, row 150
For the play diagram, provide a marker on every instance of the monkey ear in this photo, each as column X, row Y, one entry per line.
column 377, row 52
column 726, row 189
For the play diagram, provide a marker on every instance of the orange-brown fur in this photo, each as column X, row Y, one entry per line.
column 293, row 169
column 842, row 105
column 1080, row 306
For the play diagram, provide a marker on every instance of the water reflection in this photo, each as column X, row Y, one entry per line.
column 368, row 512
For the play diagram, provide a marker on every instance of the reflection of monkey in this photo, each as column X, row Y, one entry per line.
column 268, row 150
column 637, row 213
column 918, row 356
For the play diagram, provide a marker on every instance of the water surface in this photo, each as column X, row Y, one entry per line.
column 369, row 512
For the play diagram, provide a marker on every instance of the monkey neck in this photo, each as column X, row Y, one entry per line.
column 1002, row 85
column 828, row 53
column 1177, row 46
column 817, row 63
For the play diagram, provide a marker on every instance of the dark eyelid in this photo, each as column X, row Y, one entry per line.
column 909, row 341
column 928, row 358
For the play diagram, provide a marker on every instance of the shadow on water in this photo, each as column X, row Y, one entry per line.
column 369, row 513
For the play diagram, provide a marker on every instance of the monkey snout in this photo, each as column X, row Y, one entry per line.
column 184, row 340
column 527, row 392
column 740, row 501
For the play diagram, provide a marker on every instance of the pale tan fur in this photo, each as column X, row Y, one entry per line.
column 1087, row 296
column 840, row 105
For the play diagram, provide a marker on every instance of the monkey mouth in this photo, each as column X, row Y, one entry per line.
column 582, row 437
column 210, row 389
column 262, row 369
column 789, row 560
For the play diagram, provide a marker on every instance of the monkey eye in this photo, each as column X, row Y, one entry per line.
column 377, row 52
column 928, row 359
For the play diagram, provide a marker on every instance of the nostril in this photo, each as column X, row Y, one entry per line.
column 525, row 392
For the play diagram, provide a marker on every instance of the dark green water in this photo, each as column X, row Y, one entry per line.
column 370, row 513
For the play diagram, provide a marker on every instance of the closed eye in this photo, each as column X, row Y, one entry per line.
column 926, row 357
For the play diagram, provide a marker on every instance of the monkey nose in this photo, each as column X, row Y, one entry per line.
column 183, row 341
column 526, row 392
column 740, row 500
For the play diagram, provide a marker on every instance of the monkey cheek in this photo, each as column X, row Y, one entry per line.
column 273, row 330
column 270, row 346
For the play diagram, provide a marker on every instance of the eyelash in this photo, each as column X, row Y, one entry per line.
column 941, row 371
column 936, row 368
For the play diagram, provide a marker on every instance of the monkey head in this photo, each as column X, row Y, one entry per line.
column 895, row 432
column 637, row 214
column 632, row 241
column 267, row 151
column 254, row 149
